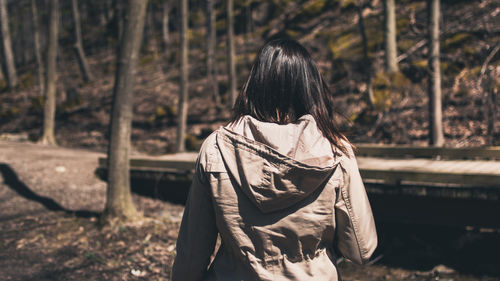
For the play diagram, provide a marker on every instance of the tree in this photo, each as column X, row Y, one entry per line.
column 165, row 32
column 151, row 43
column 78, row 46
column 366, row 59
column 436, row 136
column 118, row 7
column 49, row 107
column 36, row 43
column 119, row 205
column 183, row 94
column 248, row 30
column 211, row 58
column 8, row 55
column 391, row 63
column 230, row 52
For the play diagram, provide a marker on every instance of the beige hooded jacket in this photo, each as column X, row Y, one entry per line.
column 283, row 202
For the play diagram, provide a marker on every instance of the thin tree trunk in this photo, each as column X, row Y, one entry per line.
column 211, row 57
column 151, row 43
column 78, row 46
column 119, row 203
column 36, row 43
column 248, row 11
column 183, row 94
column 7, row 46
column 230, row 52
column 165, row 25
column 103, row 14
column 391, row 54
column 25, row 33
column 49, row 111
column 16, row 37
column 366, row 59
column 109, row 9
column 436, row 136
column 119, row 18
column 248, row 30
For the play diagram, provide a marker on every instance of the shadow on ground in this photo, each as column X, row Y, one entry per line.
column 423, row 247
column 12, row 181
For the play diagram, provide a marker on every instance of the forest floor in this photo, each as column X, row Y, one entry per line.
column 49, row 229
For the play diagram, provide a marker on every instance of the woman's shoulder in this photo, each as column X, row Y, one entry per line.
column 209, row 155
column 208, row 145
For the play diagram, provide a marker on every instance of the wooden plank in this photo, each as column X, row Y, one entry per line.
column 428, row 165
column 454, row 172
column 399, row 151
column 172, row 162
column 396, row 177
column 390, row 171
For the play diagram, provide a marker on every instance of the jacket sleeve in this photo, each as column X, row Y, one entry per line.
column 356, row 236
column 198, row 232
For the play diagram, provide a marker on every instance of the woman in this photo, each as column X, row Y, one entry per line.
column 279, row 184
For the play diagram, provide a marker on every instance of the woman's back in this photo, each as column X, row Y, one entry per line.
column 280, row 183
column 275, row 195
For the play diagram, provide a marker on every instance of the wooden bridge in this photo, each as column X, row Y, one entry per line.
column 443, row 186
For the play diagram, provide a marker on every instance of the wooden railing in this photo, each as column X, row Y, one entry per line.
column 401, row 151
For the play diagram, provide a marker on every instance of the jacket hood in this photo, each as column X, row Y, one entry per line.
column 276, row 165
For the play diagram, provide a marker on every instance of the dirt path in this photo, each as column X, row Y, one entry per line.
column 50, row 200
column 37, row 178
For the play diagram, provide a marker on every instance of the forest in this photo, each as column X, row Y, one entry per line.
column 80, row 79
column 382, row 96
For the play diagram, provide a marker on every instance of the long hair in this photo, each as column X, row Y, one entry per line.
column 285, row 84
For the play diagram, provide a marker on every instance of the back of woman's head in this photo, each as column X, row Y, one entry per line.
column 285, row 84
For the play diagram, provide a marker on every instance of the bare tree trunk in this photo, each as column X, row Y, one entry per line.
column 25, row 33
column 103, row 14
column 16, row 35
column 78, row 46
column 390, row 36
column 108, row 6
column 165, row 25
column 36, row 42
column 248, row 11
column 49, row 107
column 119, row 205
column 230, row 52
column 151, row 43
column 436, row 136
column 248, row 30
column 183, row 94
column 211, row 57
column 119, row 18
column 366, row 59
column 7, row 46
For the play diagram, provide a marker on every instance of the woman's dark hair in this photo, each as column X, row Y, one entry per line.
column 285, row 84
